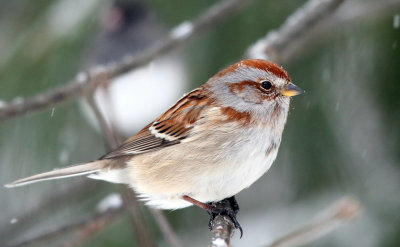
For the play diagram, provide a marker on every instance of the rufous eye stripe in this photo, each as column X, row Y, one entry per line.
column 238, row 87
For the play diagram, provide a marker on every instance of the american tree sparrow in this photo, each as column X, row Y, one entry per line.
column 214, row 142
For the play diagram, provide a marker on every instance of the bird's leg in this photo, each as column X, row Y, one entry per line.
column 228, row 207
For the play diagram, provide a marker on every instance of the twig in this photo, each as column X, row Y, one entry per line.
column 340, row 212
column 130, row 200
column 83, row 226
column 276, row 44
column 165, row 228
column 109, row 133
column 222, row 231
column 142, row 231
column 345, row 16
column 87, row 81
column 136, row 216
column 355, row 11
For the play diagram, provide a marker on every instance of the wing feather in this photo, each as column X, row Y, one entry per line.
column 169, row 129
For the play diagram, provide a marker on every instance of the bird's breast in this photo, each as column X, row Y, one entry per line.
column 248, row 157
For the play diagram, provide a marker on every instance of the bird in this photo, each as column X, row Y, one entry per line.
column 211, row 144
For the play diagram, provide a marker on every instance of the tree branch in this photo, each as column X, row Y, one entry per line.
column 357, row 11
column 340, row 212
column 109, row 133
column 136, row 216
column 222, row 231
column 87, row 225
column 59, row 197
column 87, row 81
column 275, row 45
column 166, row 228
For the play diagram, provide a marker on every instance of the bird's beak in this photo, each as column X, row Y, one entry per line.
column 291, row 90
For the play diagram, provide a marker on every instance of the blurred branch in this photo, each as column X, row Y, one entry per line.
column 339, row 213
column 275, row 44
column 222, row 231
column 86, row 226
column 109, row 133
column 316, row 18
column 136, row 217
column 87, row 81
column 355, row 11
column 132, row 205
column 44, row 205
column 166, row 228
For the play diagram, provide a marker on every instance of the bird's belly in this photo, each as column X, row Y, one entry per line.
column 205, row 174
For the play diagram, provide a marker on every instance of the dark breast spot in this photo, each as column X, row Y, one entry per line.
column 272, row 146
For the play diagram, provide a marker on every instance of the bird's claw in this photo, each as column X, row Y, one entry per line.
column 228, row 207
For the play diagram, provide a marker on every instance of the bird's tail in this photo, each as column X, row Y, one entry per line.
column 70, row 171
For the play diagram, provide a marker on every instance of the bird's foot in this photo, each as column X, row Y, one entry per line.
column 228, row 207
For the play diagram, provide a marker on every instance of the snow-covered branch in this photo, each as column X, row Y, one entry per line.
column 277, row 43
column 222, row 231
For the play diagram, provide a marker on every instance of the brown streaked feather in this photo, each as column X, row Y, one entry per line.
column 144, row 141
column 176, row 123
column 169, row 129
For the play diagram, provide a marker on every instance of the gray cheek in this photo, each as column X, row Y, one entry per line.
column 250, row 95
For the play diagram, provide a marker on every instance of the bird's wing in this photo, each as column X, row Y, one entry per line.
column 169, row 129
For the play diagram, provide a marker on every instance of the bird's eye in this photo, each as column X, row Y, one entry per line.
column 266, row 85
